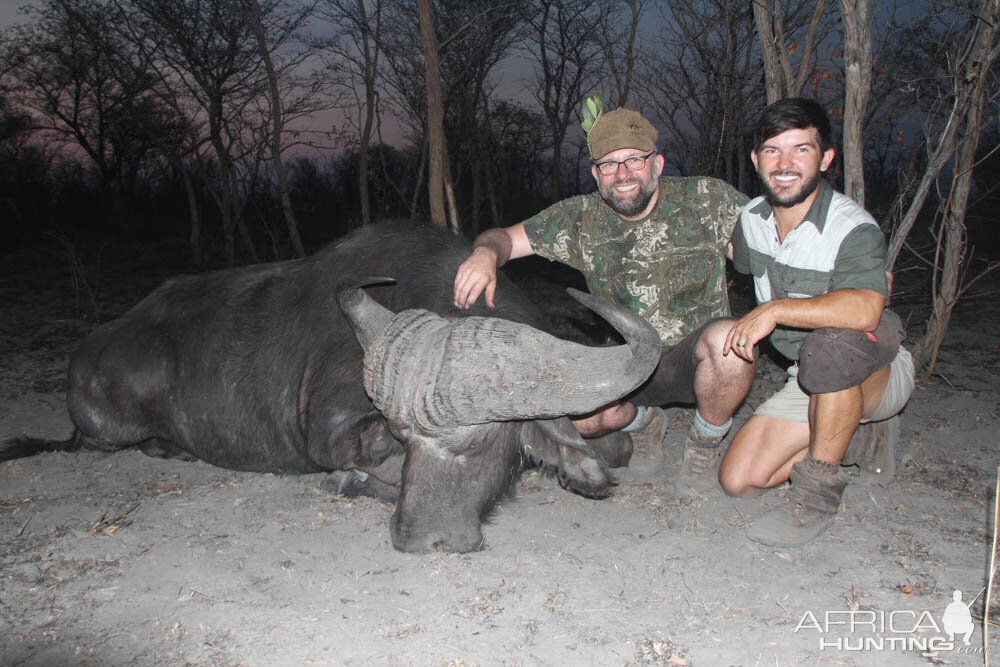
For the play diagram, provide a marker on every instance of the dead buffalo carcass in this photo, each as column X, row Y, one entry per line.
column 257, row 368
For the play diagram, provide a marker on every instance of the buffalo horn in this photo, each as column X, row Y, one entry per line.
column 446, row 372
column 366, row 316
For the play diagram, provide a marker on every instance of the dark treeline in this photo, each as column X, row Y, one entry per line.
column 140, row 118
column 256, row 129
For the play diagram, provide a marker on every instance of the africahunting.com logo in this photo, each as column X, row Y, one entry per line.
column 903, row 630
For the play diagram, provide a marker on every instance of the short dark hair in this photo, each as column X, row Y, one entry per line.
column 793, row 113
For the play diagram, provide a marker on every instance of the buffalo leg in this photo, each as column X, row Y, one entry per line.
column 614, row 448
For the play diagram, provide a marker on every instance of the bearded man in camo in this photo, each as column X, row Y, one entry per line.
column 657, row 246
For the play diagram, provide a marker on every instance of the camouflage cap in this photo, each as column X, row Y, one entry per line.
column 621, row 128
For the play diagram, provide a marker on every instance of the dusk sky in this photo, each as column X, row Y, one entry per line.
column 8, row 11
column 511, row 82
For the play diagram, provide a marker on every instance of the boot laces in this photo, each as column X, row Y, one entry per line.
column 698, row 460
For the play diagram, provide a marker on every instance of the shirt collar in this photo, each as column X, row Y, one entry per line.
column 817, row 212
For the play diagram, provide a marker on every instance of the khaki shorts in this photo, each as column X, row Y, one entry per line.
column 792, row 404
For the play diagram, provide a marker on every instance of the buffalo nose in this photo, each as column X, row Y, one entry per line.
column 451, row 539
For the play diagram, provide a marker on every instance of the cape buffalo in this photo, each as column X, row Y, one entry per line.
column 256, row 368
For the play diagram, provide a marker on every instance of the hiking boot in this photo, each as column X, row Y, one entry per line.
column 808, row 508
column 697, row 472
column 647, row 439
column 873, row 449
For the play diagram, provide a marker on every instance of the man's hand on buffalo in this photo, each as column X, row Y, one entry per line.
column 477, row 274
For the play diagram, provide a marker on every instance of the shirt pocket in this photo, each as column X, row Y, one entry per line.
column 802, row 285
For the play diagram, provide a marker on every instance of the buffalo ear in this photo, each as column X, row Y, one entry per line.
column 556, row 445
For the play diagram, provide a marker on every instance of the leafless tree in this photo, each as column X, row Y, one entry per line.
column 269, row 42
column 402, row 83
column 439, row 185
column 474, row 37
column 211, row 71
column 619, row 37
column 478, row 35
column 856, row 21
column 518, row 137
column 568, row 57
column 790, row 32
column 88, row 87
column 965, row 88
column 701, row 81
column 353, row 54
column 210, row 65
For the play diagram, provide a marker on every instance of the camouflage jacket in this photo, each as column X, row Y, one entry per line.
column 668, row 267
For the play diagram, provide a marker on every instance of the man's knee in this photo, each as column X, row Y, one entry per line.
column 610, row 418
column 734, row 470
column 731, row 482
column 713, row 338
column 738, row 483
column 729, row 368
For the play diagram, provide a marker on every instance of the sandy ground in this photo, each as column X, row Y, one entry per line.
column 126, row 560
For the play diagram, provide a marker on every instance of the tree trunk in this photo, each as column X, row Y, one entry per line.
column 228, row 224
column 495, row 209
column 449, row 197
column 435, row 115
column 779, row 79
column 415, row 199
column 477, row 194
column 555, row 172
column 769, row 51
column 369, row 121
column 252, row 15
column 194, row 239
column 856, row 20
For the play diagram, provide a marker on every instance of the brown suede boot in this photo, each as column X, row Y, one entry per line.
column 873, row 449
column 808, row 508
column 698, row 472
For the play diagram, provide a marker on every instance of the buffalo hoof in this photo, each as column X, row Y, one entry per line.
column 349, row 483
column 354, row 483
column 164, row 449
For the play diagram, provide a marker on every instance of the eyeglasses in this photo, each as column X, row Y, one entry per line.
column 634, row 163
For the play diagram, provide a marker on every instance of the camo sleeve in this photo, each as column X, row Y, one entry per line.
column 554, row 233
column 716, row 203
column 722, row 205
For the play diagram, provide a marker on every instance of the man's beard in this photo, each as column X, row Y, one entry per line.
column 776, row 200
column 633, row 203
